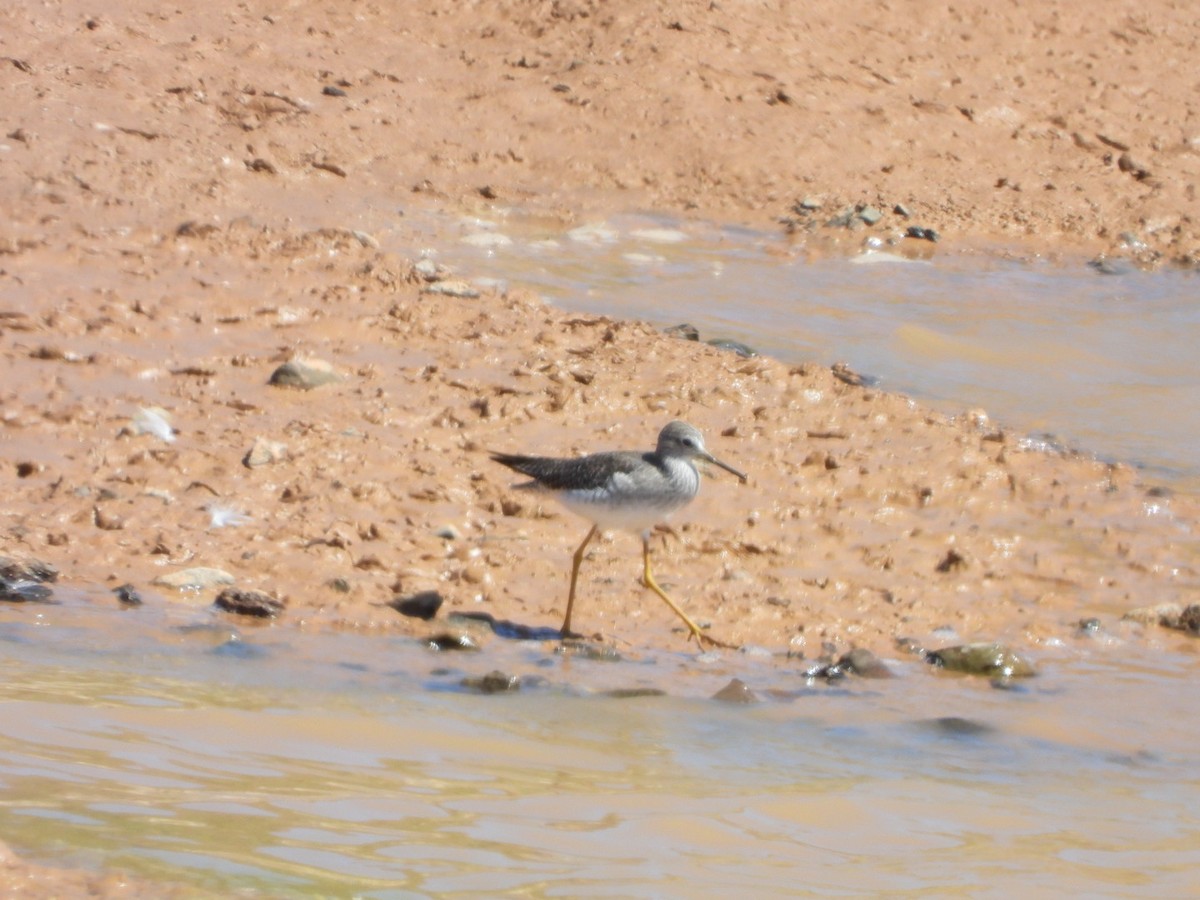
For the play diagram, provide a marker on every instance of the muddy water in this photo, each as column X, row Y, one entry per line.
column 1101, row 363
column 172, row 746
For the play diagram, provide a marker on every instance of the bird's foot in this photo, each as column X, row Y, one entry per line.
column 702, row 639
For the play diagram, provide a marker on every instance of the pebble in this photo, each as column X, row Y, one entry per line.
column 733, row 346
column 495, row 682
column 449, row 640
column 865, row 664
column 12, row 569
column 304, row 374
column 684, row 331
column 423, row 605
column 128, row 595
column 249, row 602
column 986, row 658
column 264, row 452
column 460, row 289
column 195, row 578
column 737, row 691
column 23, row 591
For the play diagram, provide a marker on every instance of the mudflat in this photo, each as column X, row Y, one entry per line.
column 189, row 197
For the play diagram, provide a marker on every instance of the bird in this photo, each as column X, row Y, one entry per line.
column 624, row 490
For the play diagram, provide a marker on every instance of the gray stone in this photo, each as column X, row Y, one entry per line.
column 304, row 374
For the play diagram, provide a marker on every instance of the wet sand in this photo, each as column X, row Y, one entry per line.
column 191, row 202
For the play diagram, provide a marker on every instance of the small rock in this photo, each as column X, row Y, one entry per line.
column 423, row 605
column 332, row 91
column 870, row 215
column 808, row 204
column 23, row 591
column 153, row 420
column 128, row 595
column 921, row 234
column 991, row 659
column 493, row 683
column 264, row 452
column 956, row 726
column 735, row 692
column 1128, row 164
column 733, row 346
column 26, row 570
column 683, row 330
column 953, row 561
column 1189, row 619
column 304, row 374
column 460, row 289
column 1108, row 266
column 427, row 270
column 901, row 210
column 195, row 578
column 249, row 602
column 449, row 640
column 1165, row 614
column 447, row 532
column 865, row 664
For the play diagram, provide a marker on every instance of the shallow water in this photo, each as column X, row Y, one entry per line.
column 166, row 746
column 170, row 744
column 1101, row 363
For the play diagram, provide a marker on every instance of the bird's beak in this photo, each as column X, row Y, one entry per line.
column 708, row 457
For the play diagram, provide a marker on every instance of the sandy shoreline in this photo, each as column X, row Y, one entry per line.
column 184, row 193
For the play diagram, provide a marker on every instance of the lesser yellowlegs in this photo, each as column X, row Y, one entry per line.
column 625, row 490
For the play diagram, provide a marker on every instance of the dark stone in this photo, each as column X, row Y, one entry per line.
column 495, row 682
column 733, row 346
column 1088, row 627
column 957, row 726
column 128, row 595
column 449, row 640
column 683, row 330
column 26, row 570
column 1189, row 619
column 736, row 692
column 23, row 591
column 248, row 602
column 921, row 234
column 1107, row 266
column 423, row 605
column 331, row 91
column 865, row 664
column 953, row 561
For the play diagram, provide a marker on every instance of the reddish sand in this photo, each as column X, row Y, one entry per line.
column 866, row 517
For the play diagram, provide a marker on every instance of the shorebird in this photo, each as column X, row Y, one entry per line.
column 624, row 490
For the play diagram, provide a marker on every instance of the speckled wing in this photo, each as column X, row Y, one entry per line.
column 587, row 473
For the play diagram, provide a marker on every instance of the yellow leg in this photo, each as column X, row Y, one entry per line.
column 701, row 637
column 576, row 561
